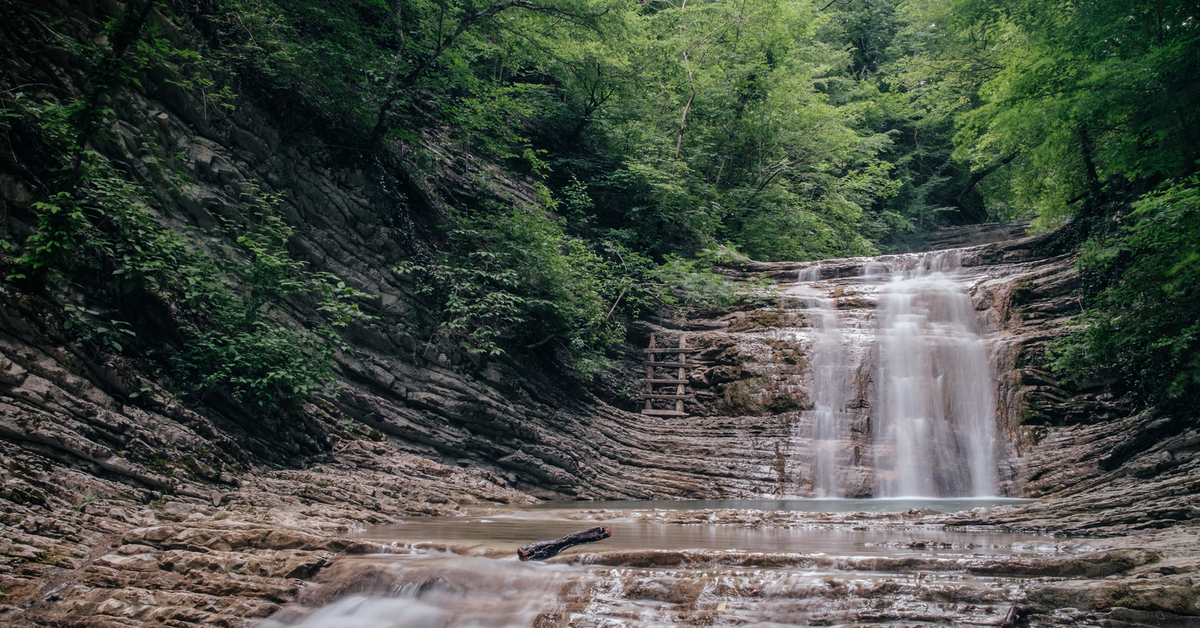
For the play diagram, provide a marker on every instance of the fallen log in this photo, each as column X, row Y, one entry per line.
column 545, row 549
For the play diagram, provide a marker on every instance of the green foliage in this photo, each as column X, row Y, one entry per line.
column 711, row 116
column 1143, row 323
column 514, row 278
column 733, row 139
column 1090, row 96
column 328, row 54
column 661, row 131
column 489, row 121
column 239, row 341
column 91, row 327
column 98, row 224
column 262, row 364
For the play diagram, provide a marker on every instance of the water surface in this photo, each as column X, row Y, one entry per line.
column 702, row 563
column 881, row 505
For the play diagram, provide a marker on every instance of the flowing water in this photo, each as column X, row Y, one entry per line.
column 937, row 412
column 737, row 566
column 830, row 366
column 902, row 394
column 902, row 409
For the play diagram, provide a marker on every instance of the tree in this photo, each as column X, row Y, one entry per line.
column 1093, row 96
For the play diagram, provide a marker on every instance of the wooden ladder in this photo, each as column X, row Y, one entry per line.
column 649, row 394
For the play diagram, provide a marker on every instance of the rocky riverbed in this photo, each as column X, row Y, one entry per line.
column 100, row 536
column 288, row 541
column 100, row 530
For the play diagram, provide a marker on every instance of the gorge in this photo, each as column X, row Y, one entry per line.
column 1114, row 543
column 873, row 439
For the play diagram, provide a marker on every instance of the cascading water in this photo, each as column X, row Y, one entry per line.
column 935, row 415
column 830, row 366
column 932, row 411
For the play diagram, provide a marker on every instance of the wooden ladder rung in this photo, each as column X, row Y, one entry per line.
column 653, row 378
column 664, row 413
column 678, row 364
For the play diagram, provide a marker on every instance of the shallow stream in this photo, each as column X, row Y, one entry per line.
column 728, row 563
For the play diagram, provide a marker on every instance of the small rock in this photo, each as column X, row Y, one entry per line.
column 178, row 509
column 130, row 549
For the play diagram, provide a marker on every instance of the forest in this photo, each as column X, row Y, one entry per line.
column 658, row 137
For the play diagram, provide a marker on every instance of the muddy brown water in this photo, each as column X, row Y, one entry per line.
column 679, row 564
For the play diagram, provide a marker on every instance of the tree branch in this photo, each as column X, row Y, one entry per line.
column 978, row 176
column 542, row 341
column 615, row 303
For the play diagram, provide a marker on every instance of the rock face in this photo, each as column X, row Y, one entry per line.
column 883, row 367
column 123, row 509
column 1117, row 470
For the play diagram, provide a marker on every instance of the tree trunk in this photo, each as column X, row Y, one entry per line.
column 546, row 549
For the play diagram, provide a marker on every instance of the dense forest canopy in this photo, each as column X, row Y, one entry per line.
column 659, row 136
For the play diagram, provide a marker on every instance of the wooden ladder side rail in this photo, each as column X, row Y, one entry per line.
column 649, row 375
column 682, row 373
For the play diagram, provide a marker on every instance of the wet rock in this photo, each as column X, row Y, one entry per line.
column 1149, row 597
column 1094, row 565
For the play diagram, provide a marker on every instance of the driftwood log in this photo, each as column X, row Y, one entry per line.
column 545, row 549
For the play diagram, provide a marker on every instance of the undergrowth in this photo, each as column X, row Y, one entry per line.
column 97, row 222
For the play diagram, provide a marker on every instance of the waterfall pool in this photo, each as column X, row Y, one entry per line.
column 765, row 563
column 815, row 504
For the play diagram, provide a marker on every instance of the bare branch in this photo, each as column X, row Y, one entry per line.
column 978, row 176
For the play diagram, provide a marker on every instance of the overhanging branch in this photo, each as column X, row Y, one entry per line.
column 978, row 176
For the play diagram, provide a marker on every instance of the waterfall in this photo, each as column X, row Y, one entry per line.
column 932, row 409
column 935, row 415
column 830, row 368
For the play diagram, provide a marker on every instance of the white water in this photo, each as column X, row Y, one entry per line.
column 831, row 373
column 662, row 570
column 930, row 387
column 936, row 415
